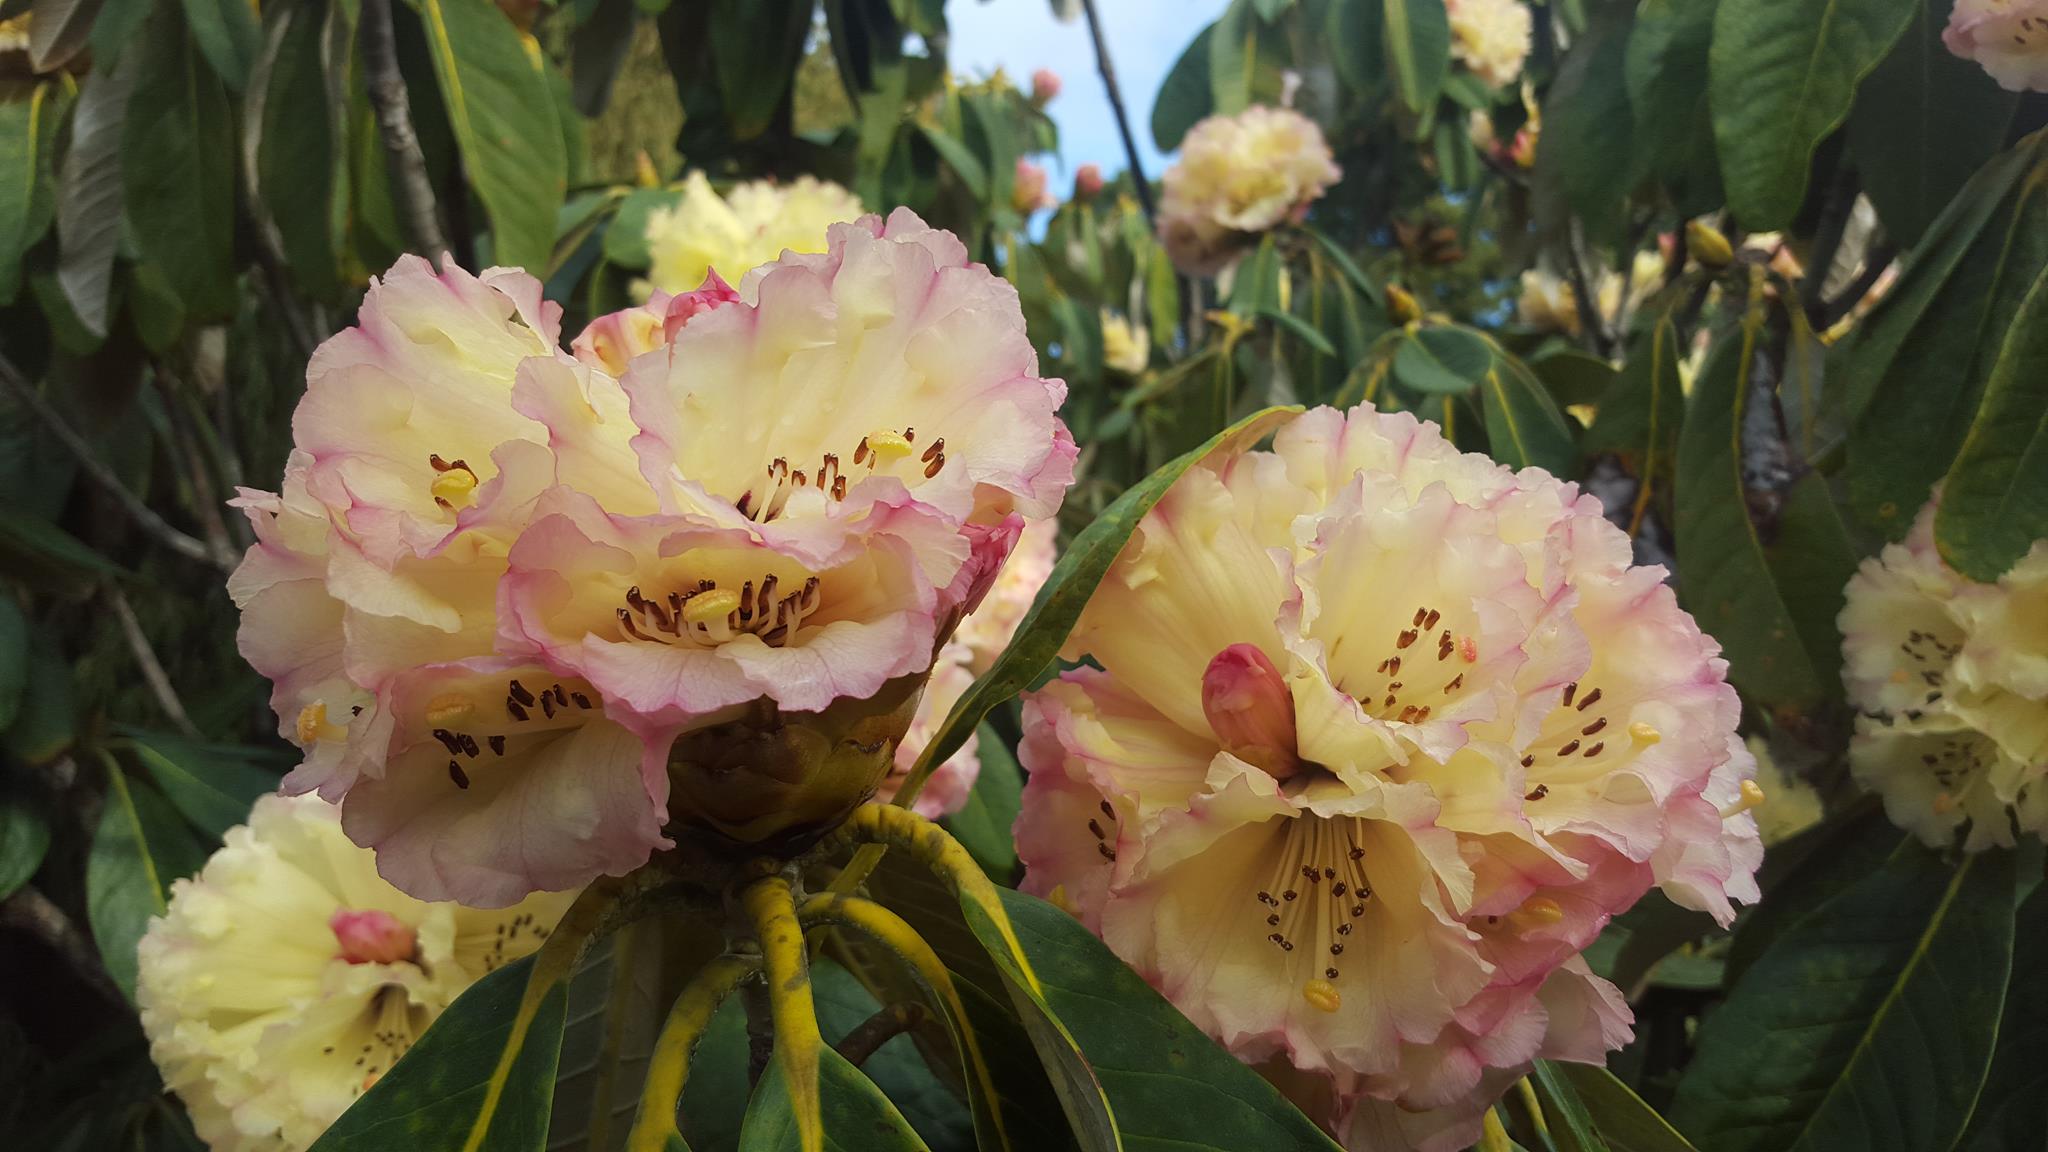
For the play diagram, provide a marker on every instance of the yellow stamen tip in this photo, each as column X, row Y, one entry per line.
column 887, row 447
column 452, row 708
column 710, row 606
column 1752, row 797
column 1542, row 910
column 1944, row 803
column 454, row 486
column 1644, row 733
column 1322, row 995
column 312, row 723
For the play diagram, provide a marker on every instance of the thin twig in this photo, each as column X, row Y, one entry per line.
column 408, row 165
column 891, row 1021
column 35, row 914
column 145, row 519
column 1875, row 261
column 1116, row 105
column 1590, row 320
column 152, row 668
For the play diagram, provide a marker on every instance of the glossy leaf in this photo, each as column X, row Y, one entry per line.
column 1994, row 503
column 1923, row 121
column 227, row 34
column 1639, row 417
column 140, row 847
column 178, row 168
column 1524, row 428
column 1811, row 559
column 1620, row 1118
column 24, row 838
column 1570, row 1127
column 28, row 200
column 1184, row 97
column 983, row 825
column 89, row 194
column 213, row 787
column 1418, row 38
column 1804, row 872
column 1666, row 73
column 502, row 112
column 295, row 121
column 431, row 1097
column 756, row 44
column 1442, row 360
column 858, row 1118
column 1587, row 155
column 2012, row 1109
column 1869, row 1024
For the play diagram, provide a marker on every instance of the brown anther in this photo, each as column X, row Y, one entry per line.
column 1591, row 699
column 497, row 744
column 1538, row 792
column 1406, row 638
column 1570, row 747
column 456, row 774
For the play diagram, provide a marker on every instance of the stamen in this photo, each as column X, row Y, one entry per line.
column 449, row 709
column 1644, row 733
column 312, row 725
column 1752, row 797
column 1322, row 995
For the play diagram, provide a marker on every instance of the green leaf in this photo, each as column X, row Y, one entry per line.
column 2009, row 1110
column 1345, row 264
column 1587, row 156
column 1300, row 329
column 227, row 33
column 213, row 786
column 432, row 1096
column 598, row 50
column 1923, row 121
column 44, row 724
column 1723, row 570
column 1572, row 376
column 58, row 32
column 1444, row 360
column 1869, row 1024
column 502, row 111
column 1804, row 872
column 140, row 847
column 28, row 199
column 960, row 158
column 1356, row 36
column 1994, row 503
column 1666, row 70
column 1616, row 1113
column 1570, row 1126
column 89, row 194
column 178, row 168
column 1926, row 360
column 1418, row 38
column 1081, row 567
column 1811, row 559
column 1169, row 1085
column 1243, row 64
column 1184, row 96
column 983, row 825
column 756, row 44
column 24, row 838
column 14, row 660
column 1255, row 286
column 625, row 238
column 858, row 1118
column 294, row 125
column 47, row 556
column 1782, row 74
column 1524, row 428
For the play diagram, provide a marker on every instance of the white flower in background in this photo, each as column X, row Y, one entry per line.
column 1950, row 681
column 749, row 226
column 1239, row 176
column 1490, row 38
column 2008, row 38
column 288, row 976
column 980, row 638
column 1126, row 347
column 1548, row 303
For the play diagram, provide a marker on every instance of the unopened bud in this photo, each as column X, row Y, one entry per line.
column 1402, row 307
column 1707, row 244
column 1045, row 86
column 372, row 936
column 1250, row 709
column 1087, row 181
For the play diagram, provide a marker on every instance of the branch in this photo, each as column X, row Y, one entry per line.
column 1116, row 105
column 407, row 164
column 152, row 668
column 1591, row 322
column 1875, row 262
column 36, row 915
column 889, row 1022
column 144, row 518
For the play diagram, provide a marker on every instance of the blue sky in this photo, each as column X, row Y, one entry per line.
column 1145, row 38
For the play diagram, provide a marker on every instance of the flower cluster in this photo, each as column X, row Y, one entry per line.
column 1239, row 176
column 2008, row 38
column 1375, row 738
column 974, row 646
column 501, row 581
column 753, row 223
column 1547, row 302
column 1950, row 680
column 287, row 977
column 1491, row 38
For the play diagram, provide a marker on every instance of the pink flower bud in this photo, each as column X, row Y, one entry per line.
column 1045, row 86
column 1087, row 181
column 713, row 293
column 1250, row 709
column 372, row 936
column 1028, row 193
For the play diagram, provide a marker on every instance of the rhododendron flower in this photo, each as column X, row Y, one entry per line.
column 1378, row 737
column 1548, row 303
column 1029, row 191
column 1950, row 680
column 2008, row 38
column 1087, row 181
column 973, row 649
column 287, row 976
column 1239, row 176
column 1491, row 38
column 753, row 223
column 1045, row 86
column 1126, row 347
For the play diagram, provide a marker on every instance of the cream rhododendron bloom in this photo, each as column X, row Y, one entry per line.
column 1239, row 176
column 1950, row 680
column 1491, row 38
column 973, row 649
column 287, row 976
column 1126, row 347
column 1378, row 737
column 1548, row 302
column 500, row 583
column 753, row 223
column 2009, row 38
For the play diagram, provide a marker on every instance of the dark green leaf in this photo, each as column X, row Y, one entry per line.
column 1300, row 329
column 227, row 33
column 431, row 1098
column 89, row 195
column 625, row 238
column 502, row 111
column 46, row 555
column 1782, row 74
column 2012, row 1109
column 983, row 826
column 1357, row 44
column 1570, row 1126
column 1255, row 286
column 1245, row 60
column 1811, row 559
column 1923, row 122
column 1352, row 272
column 1418, row 37
column 1170, row 1086
column 178, row 168
column 1617, row 1114
column 44, row 725
column 1994, row 503
column 59, row 29
column 1806, row 871
column 756, row 44
column 958, row 156
column 1869, row 1024
column 1666, row 71
column 14, row 660
column 294, row 125
column 1443, row 360
column 1524, row 428
column 857, row 1117
column 141, row 846
column 1587, row 155
column 214, row 787
column 598, row 50
column 28, row 199
column 1184, row 97
column 1572, row 376
column 24, row 837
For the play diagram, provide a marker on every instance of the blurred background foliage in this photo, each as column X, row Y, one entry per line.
column 193, row 194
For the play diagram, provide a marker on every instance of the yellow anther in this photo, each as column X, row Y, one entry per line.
column 887, row 447
column 1322, row 995
column 1402, row 307
column 454, row 487
column 313, row 725
column 711, row 606
column 452, row 708
column 1540, row 910
column 1752, row 797
column 1645, row 733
